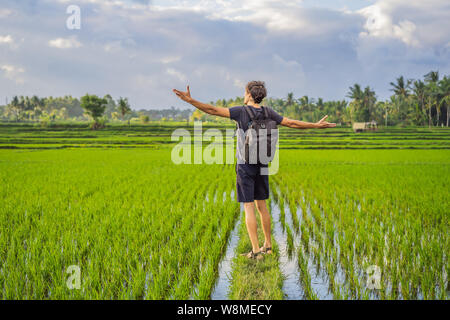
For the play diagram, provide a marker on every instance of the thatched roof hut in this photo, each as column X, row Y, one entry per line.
column 359, row 126
column 363, row 126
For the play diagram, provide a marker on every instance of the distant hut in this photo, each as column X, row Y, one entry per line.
column 363, row 126
column 359, row 126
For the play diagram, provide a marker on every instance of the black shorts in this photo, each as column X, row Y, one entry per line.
column 250, row 184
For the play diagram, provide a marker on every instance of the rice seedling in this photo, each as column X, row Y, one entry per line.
column 381, row 216
column 139, row 227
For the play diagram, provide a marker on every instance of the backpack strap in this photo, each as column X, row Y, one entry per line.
column 266, row 112
column 250, row 112
column 237, row 122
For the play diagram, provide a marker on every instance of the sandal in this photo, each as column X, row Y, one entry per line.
column 253, row 255
column 266, row 250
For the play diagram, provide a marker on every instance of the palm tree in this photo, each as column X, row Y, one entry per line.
column 304, row 103
column 383, row 106
column 36, row 106
column 363, row 101
column 306, row 106
column 14, row 107
column 319, row 103
column 290, row 99
column 369, row 102
column 431, row 78
column 319, row 108
column 355, row 92
column 444, row 93
column 419, row 93
column 123, row 106
column 401, row 88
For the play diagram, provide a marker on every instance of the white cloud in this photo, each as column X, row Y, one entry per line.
column 380, row 24
column 170, row 59
column 112, row 46
column 13, row 73
column 6, row 39
column 239, row 83
column 290, row 63
column 177, row 74
column 4, row 13
column 144, row 81
column 65, row 43
column 274, row 15
column 415, row 23
column 142, row 51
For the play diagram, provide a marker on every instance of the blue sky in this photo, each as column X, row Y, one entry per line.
column 142, row 49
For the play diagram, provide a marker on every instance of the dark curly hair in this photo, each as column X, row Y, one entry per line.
column 257, row 90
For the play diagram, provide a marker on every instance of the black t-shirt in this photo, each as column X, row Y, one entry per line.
column 239, row 115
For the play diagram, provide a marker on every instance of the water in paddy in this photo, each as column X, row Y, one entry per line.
column 292, row 287
column 220, row 291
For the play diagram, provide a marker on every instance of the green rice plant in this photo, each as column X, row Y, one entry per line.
column 140, row 227
column 293, row 210
column 290, row 241
column 381, row 214
column 305, row 278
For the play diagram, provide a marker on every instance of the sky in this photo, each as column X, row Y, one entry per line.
column 142, row 49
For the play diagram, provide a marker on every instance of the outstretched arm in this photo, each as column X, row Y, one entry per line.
column 215, row 111
column 296, row 124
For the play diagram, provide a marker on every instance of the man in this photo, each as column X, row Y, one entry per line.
column 252, row 187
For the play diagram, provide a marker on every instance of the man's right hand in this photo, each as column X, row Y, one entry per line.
column 212, row 110
column 185, row 96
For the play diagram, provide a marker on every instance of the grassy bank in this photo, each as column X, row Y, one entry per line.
column 255, row 279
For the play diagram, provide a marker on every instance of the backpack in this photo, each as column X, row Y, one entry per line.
column 260, row 136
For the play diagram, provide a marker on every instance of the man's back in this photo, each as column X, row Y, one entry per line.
column 243, row 120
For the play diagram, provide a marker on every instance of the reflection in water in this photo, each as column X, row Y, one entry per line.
column 292, row 287
column 289, row 265
column 220, row 291
column 291, row 284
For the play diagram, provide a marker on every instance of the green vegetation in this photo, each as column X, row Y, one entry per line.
column 94, row 107
column 384, row 208
column 50, row 110
column 255, row 279
column 414, row 102
column 123, row 107
column 158, row 134
column 140, row 227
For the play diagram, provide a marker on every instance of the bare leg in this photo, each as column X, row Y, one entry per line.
column 250, row 221
column 265, row 221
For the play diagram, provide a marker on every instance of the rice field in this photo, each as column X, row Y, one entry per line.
column 347, row 209
column 384, row 209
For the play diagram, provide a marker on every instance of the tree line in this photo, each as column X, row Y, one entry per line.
column 88, row 107
column 418, row 102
